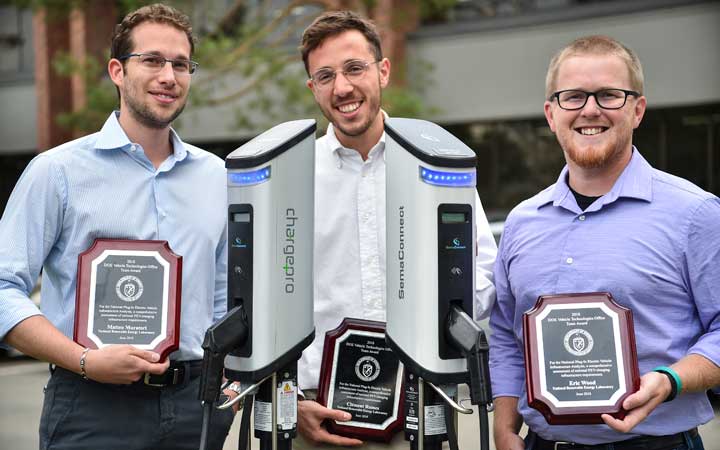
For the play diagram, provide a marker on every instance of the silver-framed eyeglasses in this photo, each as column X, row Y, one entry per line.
column 574, row 99
column 353, row 71
column 154, row 62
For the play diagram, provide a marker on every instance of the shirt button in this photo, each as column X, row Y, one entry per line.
column 133, row 148
column 569, row 260
column 582, row 217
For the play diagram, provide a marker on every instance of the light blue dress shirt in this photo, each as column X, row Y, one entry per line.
column 104, row 186
column 653, row 242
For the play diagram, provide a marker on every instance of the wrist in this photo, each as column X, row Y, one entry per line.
column 673, row 378
column 83, row 363
column 505, row 438
column 234, row 387
column 233, row 390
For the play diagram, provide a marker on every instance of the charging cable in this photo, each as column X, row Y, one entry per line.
column 225, row 335
column 469, row 338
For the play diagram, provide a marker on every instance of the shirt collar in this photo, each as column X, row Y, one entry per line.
column 112, row 136
column 635, row 181
column 336, row 147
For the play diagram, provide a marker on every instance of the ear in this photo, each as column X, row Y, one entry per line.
column 311, row 86
column 116, row 72
column 549, row 115
column 384, row 69
column 639, row 111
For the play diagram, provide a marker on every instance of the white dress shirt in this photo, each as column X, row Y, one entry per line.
column 349, row 259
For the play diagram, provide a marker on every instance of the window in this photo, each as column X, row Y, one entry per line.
column 16, row 47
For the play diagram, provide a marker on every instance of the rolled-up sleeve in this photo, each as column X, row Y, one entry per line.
column 702, row 254
column 29, row 227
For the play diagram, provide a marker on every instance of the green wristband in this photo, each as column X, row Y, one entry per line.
column 674, row 381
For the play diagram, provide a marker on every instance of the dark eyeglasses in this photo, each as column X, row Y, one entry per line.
column 155, row 62
column 574, row 99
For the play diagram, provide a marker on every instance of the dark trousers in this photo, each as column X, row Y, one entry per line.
column 687, row 441
column 79, row 414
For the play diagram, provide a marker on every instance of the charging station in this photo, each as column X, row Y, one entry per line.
column 270, row 284
column 430, row 183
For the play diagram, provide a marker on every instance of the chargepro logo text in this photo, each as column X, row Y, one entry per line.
column 289, row 250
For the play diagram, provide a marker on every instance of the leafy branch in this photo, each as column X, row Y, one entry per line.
column 247, row 59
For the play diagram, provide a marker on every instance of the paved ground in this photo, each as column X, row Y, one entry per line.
column 21, row 385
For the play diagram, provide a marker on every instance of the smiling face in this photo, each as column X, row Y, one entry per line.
column 352, row 107
column 152, row 98
column 592, row 137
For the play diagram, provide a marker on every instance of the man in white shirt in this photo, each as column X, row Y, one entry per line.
column 342, row 55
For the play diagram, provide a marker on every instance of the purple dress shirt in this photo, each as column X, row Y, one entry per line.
column 653, row 242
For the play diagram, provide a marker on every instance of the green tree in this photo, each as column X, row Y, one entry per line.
column 248, row 58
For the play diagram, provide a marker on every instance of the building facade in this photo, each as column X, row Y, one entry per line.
column 480, row 66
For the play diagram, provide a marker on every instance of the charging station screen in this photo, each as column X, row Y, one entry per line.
column 453, row 217
column 241, row 217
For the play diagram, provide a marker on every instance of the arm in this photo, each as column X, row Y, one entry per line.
column 696, row 372
column 699, row 370
column 486, row 252
column 507, row 367
column 119, row 364
column 33, row 232
column 506, row 425
column 311, row 416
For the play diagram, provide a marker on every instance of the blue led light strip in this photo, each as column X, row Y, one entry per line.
column 454, row 179
column 250, row 178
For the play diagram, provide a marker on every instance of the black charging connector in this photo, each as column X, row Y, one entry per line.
column 222, row 337
column 464, row 333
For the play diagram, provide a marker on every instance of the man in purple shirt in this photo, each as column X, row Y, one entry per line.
column 612, row 223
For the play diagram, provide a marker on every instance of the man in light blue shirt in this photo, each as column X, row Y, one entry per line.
column 612, row 223
column 135, row 179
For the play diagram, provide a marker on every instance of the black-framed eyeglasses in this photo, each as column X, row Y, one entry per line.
column 574, row 99
column 155, row 62
column 352, row 70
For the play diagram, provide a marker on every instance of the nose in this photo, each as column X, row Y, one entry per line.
column 167, row 74
column 591, row 107
column 341, row 85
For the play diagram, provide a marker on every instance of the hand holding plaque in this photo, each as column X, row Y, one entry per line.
column 361, row 375
column 580, row 357
column 128, row 292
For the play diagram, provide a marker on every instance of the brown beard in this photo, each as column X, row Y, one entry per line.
column 145, row 116
column 590, row 159
column 597, row 158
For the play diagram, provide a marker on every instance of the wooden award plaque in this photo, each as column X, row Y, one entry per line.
column 361, row 375
column 580, row 357
column 128, row 292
